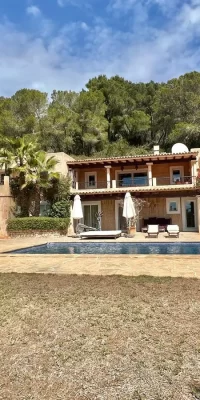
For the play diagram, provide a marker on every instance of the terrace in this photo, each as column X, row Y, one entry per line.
column 143, row 173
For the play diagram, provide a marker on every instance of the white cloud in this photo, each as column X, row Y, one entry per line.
column 126, row 6
column 59, row 61
column 63, row 3
column 33, row 10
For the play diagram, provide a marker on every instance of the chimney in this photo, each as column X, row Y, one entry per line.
column 156, row 150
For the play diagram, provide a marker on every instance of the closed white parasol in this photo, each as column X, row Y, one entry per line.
column 129, row 207
column 77, row 212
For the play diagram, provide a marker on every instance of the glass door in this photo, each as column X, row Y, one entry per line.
column 120, row 220
column 89, row 215
column 189, row 215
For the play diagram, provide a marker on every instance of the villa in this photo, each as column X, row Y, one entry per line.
column 168, row 182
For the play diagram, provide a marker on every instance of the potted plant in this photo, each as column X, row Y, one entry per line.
column 132, row 226
column 132, row 222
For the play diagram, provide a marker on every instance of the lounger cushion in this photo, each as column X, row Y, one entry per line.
column 173, row 228
column 153, row 229
column 101, row 234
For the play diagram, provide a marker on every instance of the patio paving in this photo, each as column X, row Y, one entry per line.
column 129, row 265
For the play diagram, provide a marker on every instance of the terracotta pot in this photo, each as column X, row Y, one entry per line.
column 132, row 230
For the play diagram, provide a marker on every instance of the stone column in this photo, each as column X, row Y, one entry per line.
column 194, row 166
column 150, row 179
column 76, row 179
column 198, row 212
column 71, row 176
column 108, row 168
column 71, row 224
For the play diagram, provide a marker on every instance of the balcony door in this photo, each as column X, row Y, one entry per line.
column 189, row 212
column 132, row 178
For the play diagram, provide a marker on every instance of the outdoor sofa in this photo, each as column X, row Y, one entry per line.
column 162, row 222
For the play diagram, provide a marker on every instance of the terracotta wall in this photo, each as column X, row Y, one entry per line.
column 101, row 174
column 163, row 170
column 156, row 207
column 6, row 204
column 108, row 219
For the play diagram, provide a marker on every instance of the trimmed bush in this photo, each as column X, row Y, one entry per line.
column 38, row 224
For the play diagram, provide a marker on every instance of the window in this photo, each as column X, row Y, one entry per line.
column 140, row 178
column 176, row 174
column 132, row 179
column 91, row 179
column 44, row 208
column 173, row 206
column 125, row 179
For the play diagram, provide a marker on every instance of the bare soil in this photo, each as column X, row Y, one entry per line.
column 85, row 337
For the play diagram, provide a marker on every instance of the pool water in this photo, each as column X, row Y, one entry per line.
column 113, row 248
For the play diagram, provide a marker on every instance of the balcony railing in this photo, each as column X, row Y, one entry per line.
column 184, row 180
column 90, row 186
column 144, row 182
column 134, row 182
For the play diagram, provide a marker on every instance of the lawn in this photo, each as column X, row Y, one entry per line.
column 106, row 338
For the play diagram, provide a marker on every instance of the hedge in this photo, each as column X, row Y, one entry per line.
column 38, row 224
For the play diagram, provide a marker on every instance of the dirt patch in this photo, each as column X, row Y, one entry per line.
column 85, row 337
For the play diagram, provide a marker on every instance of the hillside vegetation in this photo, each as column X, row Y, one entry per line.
column 109, row 117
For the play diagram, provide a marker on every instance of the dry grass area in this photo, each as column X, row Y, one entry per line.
column 106, row 338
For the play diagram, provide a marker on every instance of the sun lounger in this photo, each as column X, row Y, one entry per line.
column 153, row 230
column 173, row 230
column 100, row 234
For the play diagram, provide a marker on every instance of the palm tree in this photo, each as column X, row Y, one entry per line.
column 14, row 155
column 33, row 171
column 39, row 175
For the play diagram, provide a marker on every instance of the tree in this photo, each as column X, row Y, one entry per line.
column 39, row 175
column 187, row 133
column 15, row 155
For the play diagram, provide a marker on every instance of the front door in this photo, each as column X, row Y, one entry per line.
column 189, row 215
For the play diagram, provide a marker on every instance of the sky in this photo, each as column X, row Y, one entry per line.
column 61, row 44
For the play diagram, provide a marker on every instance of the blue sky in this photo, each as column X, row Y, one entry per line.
column 61, row 44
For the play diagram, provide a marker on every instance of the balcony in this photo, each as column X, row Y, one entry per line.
column 166, row 181
column 138, row 184
column 91, row 186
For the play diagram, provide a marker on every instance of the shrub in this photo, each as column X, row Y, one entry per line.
column 38, row 224
column 60, row 209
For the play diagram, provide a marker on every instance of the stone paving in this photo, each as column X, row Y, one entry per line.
column 130, row 265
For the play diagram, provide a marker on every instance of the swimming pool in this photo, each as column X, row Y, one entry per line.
column 113, row 248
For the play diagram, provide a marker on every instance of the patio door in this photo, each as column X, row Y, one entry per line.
column 120, row 221
column 90, row 211
column 189, row 215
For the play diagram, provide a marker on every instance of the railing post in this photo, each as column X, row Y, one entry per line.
column 114, row 184
column 108, row 168
column 194, row 170
column 154, row 181
column 149, row 165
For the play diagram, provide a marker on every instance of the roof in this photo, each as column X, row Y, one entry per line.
column 140, row 158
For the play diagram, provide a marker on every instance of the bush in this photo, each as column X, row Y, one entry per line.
column 60, row 209
column 38, row 224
